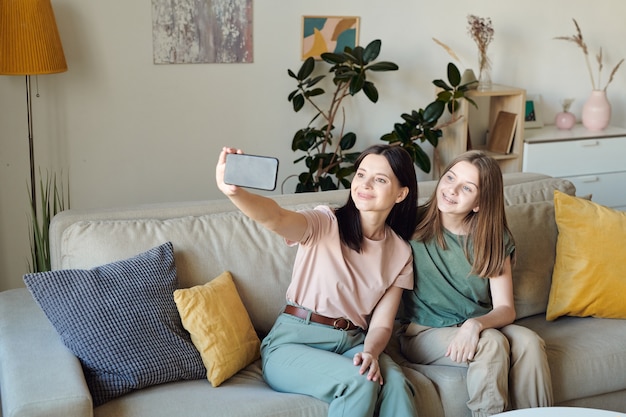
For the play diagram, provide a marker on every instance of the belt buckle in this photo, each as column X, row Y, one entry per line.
column 338, row 327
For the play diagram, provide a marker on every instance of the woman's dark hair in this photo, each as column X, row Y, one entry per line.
column 403, row 216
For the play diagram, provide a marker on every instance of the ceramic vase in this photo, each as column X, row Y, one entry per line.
column 596, row 111
column 565, row 120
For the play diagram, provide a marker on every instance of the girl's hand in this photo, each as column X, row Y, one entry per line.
column 463, row 346
column 227, row 189
column 370, row 365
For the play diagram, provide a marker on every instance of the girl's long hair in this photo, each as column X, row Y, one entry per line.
column 486, row 227
column 403, row 216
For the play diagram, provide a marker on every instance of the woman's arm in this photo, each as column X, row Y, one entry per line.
column 378, row 334
column 289, row 224
column 463, row 347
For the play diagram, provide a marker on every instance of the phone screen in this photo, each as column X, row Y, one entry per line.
column 251, row 171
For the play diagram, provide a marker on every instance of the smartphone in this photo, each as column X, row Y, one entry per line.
column 251, row 171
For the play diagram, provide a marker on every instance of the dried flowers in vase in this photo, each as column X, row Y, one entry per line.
column 579, row 40
column 481, row 30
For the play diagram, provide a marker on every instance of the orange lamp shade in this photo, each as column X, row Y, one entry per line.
column 29, row 39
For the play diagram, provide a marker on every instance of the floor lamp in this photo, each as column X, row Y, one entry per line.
column 29, row 45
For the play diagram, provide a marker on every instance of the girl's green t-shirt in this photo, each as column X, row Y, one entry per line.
column 445, row 294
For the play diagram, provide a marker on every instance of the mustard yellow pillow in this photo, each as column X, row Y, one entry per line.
column 589, row 277
column 219, row 326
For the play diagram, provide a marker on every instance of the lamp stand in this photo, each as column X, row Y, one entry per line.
column 31, row 147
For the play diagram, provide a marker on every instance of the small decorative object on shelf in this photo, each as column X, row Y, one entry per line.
column 481, row 30
column 597, row 110
column 565, row 120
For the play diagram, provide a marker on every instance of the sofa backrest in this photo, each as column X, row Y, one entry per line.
column 208, row 238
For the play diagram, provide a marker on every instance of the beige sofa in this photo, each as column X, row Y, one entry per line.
column 39, row 376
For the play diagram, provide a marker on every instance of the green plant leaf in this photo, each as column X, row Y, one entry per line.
column 333, row 58
column 433, row 111
column 298, row 102
column 454, row 75
column 422, row 160
column 442, row 84
column 432, row 136
column 291, row 74
column 347, row 141
column 306, row 69
column 370, row 91
column 351, row 157
column 356, row 55
column 327, row 184
column 445, row 96
column 314, row 92
column 356, row 84
column 312, row 81
column 372, row 50
column 383, row 66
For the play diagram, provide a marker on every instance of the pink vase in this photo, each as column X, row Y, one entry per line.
column 596, row 111
column 565, row 120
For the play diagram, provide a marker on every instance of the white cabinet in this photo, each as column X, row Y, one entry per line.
column 595, row 161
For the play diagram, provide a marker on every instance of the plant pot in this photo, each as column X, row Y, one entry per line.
column 596, row 111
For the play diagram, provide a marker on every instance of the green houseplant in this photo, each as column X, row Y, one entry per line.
column 423, row 125
column 53, row 200
column 328, row 156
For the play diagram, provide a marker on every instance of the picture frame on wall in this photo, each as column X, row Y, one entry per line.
column 328, row 34
column 532, row 114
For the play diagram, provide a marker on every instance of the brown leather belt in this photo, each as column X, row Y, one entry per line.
column 340, row 323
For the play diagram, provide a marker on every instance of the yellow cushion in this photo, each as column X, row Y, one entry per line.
column 589, row 277
column 220, row 327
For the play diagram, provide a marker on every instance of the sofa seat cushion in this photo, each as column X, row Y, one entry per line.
column 245, row 394
column 587, row 355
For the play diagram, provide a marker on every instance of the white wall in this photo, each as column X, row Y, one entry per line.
column 129, row 131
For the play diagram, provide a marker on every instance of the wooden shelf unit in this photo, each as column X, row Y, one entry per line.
column 471, row 130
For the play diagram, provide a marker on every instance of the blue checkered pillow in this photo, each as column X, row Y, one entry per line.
column 121, row 321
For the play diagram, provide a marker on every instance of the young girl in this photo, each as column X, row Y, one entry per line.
column 351, row 267
column 461, row 308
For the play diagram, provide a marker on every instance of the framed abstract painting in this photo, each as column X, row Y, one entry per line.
column 328, row 34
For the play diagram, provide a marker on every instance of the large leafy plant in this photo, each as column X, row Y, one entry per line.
column 328, row 156
column 423, row 125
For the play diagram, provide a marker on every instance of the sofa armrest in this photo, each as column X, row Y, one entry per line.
column 39, row 376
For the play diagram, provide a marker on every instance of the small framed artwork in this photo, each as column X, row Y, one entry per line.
column 532, row 115
column 328, row 34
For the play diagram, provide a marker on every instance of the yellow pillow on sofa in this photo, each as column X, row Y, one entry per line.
column 589, row 277
column 219, row 326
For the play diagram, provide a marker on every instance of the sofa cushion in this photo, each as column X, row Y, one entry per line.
column 589, row 276
column 120, row 320
column 586, row 355
column 535, row 233
column 534, row 191
column 220, row 327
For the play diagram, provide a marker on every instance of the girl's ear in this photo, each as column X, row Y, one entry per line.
column 475, row 209
column 404, row 191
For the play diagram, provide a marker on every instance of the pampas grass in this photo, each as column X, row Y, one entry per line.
column 578, row 39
